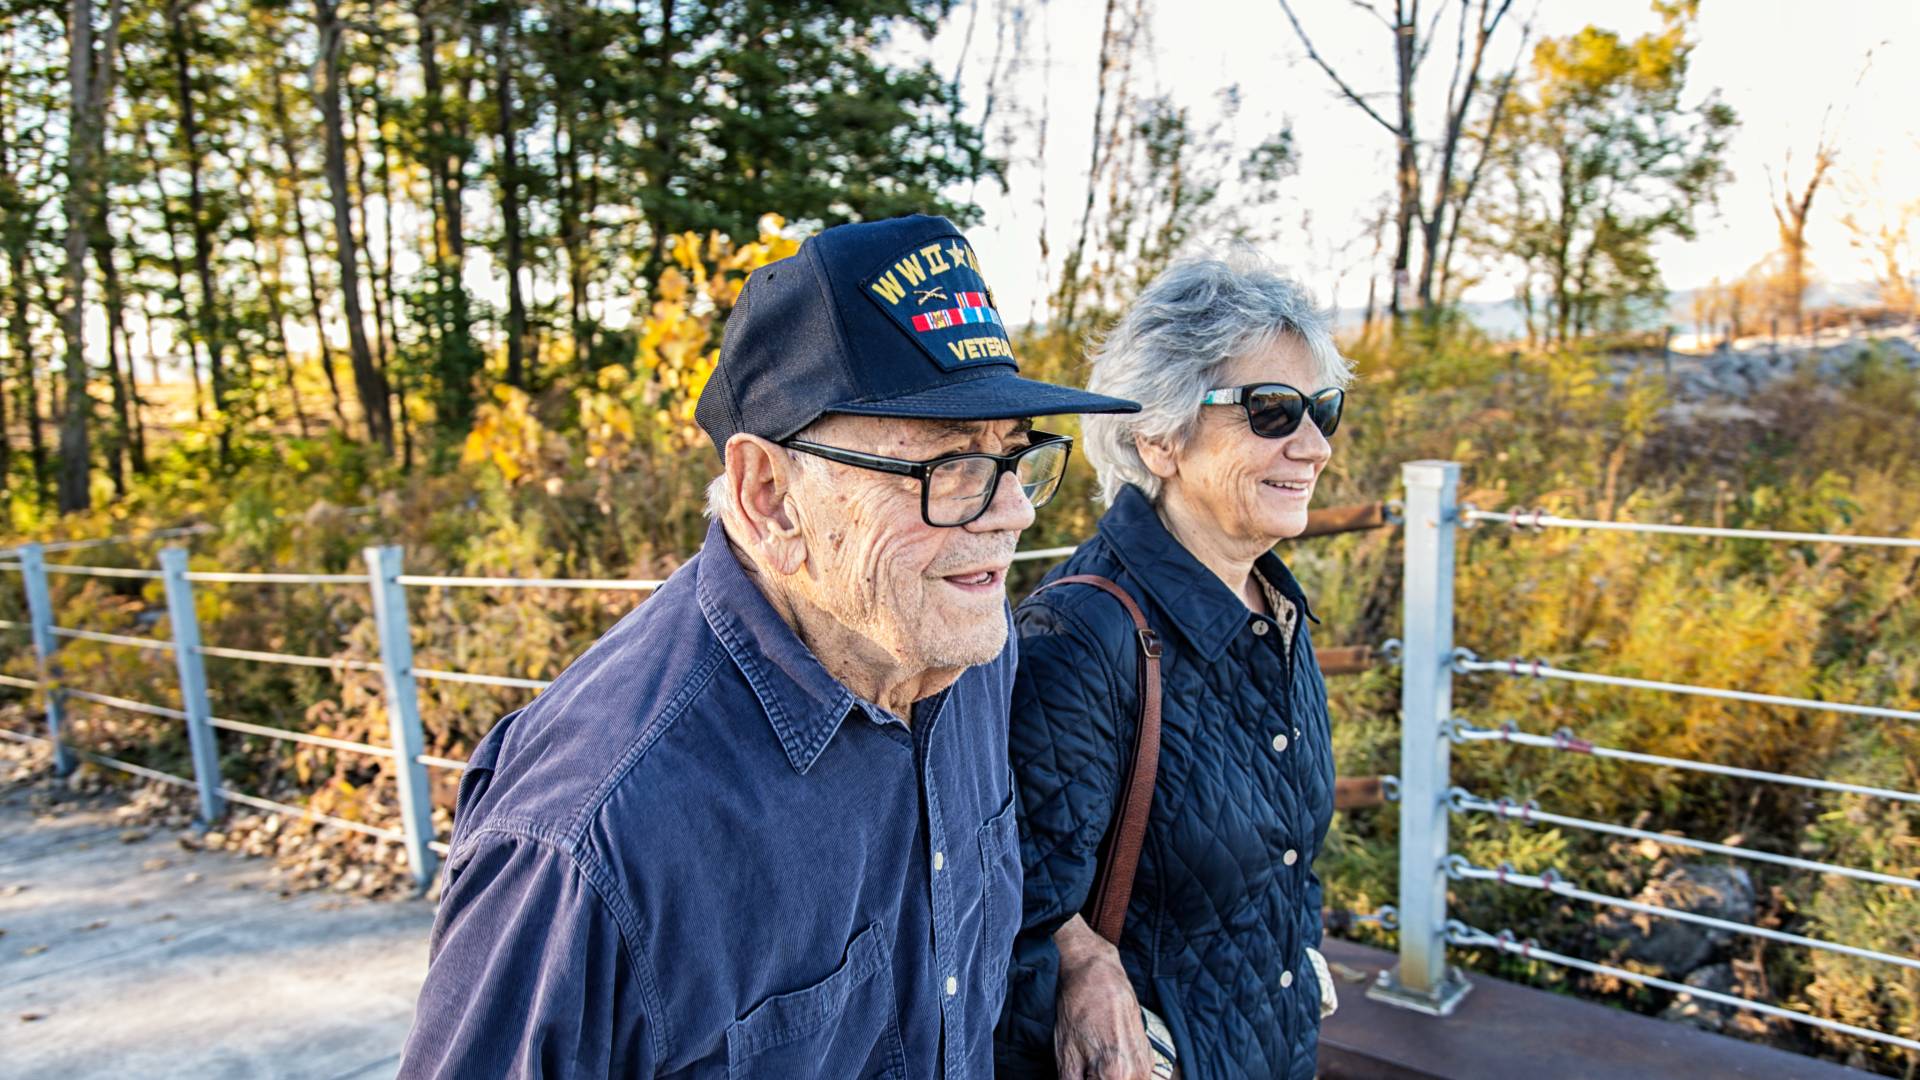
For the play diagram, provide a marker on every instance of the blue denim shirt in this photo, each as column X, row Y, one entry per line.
column 698, row 855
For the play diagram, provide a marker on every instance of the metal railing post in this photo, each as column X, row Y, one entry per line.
column 201, row 739
column 33, row 573
column 403, row 708
column 1423, row 981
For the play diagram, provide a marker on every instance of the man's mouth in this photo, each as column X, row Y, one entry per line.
column 978, row 580
column 1297, row 487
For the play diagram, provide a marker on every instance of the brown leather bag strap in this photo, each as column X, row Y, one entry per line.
column 1113, row 883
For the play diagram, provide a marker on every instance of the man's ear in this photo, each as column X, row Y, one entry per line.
column 1160, row 455
column 760, row 478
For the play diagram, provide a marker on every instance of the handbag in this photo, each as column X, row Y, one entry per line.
column 1113, row 881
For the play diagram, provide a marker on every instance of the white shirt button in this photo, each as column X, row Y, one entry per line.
column 1286, row 979
column 1290, row 857
column 1259, row 628
column 939, row 861
column 1279, row 744
column 953, row 986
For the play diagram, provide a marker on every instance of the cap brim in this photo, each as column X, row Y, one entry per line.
column 997, row 397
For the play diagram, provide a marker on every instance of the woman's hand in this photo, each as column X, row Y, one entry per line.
column 1097, row 1030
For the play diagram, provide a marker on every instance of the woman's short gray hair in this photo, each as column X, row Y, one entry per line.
column 1199, row 315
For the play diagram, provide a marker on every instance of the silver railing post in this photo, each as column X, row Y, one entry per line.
column 192, row 666
column 1423, row 981
column 33, row 573
column 403, row 708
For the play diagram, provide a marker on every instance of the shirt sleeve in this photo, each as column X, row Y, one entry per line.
column 529, row 974
column 1068, row 725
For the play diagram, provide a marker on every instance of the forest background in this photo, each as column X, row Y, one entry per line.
column 451, row 274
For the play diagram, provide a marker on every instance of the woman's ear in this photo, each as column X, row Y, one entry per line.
column 760, row 477
column 1160, row 455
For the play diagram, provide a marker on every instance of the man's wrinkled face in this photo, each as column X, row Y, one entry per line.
column 929, row 597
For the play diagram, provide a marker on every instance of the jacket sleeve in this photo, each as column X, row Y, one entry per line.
column 1070, row 725
column 529, row 974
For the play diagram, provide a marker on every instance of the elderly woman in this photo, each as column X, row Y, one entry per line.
column 1241, row 387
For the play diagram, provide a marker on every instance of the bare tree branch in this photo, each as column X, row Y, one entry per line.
column 1373, row 11
column 1350, row 93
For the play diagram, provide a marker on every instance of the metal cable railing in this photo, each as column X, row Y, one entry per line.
column 1463, row 936
column 298, row 812
column 1459, row 869
column 610, row 584
column 289, row 659
column 1466, row 663
column 224, row 577
column 436, row 675
column 1540, row 519
column 1463, row 802
column 151, row 644
column 1463, row 732
column 103, row 571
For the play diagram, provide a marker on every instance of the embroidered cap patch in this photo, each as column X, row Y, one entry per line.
column 935, row 292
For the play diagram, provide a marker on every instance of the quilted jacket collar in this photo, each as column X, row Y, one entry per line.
column 1203, row 609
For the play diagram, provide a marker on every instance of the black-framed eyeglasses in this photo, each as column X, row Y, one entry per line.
column 955, row 489
column 1274, row 409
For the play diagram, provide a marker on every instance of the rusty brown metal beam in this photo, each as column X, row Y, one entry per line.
column 1345, row 659
column 1358, row 792
column 1329, row 520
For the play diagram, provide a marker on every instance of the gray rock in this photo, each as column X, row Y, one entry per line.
column 1675, row 947
column 1701, row 1013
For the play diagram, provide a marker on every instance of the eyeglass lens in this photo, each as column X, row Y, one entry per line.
column 1274, row 411
column 960, row 490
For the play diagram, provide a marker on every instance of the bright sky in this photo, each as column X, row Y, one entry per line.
column 1779, row 63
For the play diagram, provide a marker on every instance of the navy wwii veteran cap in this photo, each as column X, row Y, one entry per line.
column 882, row 318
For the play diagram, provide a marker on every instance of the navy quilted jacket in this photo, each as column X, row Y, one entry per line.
column 1225, row 903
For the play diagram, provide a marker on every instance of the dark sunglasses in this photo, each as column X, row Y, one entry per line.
column 956, row 489
column 1274, row 409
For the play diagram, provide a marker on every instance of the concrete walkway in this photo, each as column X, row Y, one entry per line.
column 122, row 954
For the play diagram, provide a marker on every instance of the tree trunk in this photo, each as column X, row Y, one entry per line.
column 370, row 385
column 1407, row 169
column 101, row 240
column 171, row 223
column 510, row 202
column 271, row 287
column 75, row 468
column 22, row 338
column 284, row 123
column 211, row 323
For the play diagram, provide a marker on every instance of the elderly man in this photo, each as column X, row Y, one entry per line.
column 764, row 827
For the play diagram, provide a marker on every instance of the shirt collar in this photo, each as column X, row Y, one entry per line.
column 803, row 703
column 1198, row 604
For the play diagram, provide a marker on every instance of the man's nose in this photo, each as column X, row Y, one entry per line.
column 1010, row 510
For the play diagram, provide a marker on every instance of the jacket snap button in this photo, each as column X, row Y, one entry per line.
column 1286, row 979
column 1259, row 628
column 1279, row 744
column 1290, row 857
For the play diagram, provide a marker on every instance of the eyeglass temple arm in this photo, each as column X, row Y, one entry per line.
column 1223, row 397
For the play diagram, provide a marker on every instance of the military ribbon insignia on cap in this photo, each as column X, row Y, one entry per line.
column 935, row 291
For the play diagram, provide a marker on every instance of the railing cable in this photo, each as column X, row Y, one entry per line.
column 1463, row 732
column 291, row 659
column 1467, row 937
column 1459, row 869
column 1462, row 801
column 1539, row 519
column 616, row 584
column 1466, row 663
column 151, row 644
column 436, row 675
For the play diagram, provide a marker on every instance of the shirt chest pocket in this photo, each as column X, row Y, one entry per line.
column 845, row 1026
column 1000, row 897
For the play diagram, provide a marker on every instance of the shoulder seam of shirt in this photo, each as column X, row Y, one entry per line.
column 663, row 718
column 591, row 871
